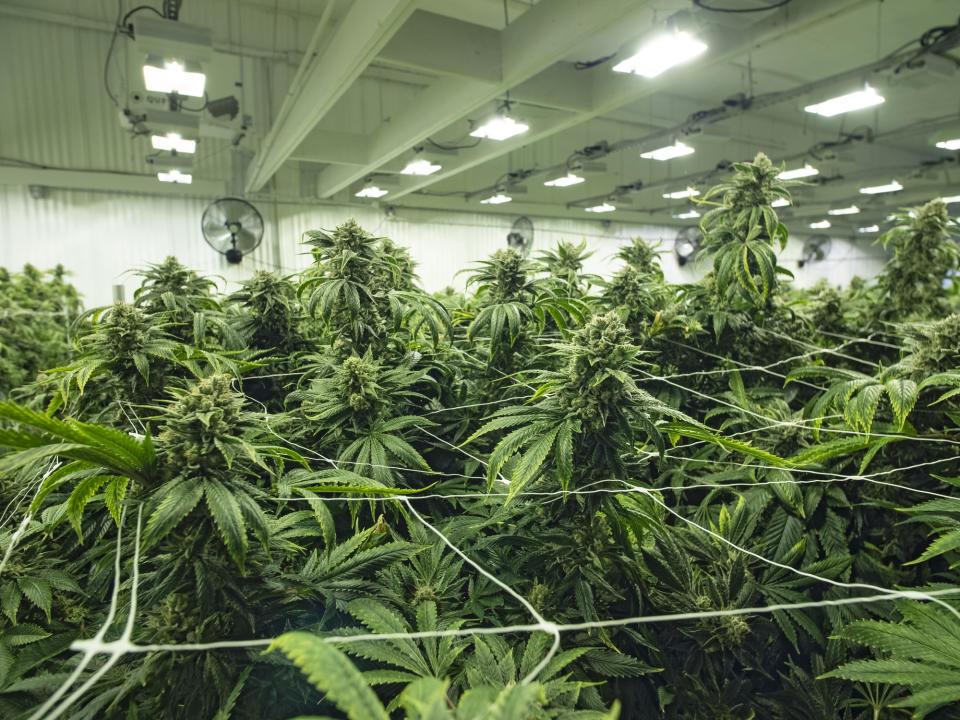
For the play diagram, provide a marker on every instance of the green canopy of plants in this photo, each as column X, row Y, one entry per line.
column 335, row 495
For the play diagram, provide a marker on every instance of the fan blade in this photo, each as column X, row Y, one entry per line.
column 247, row 241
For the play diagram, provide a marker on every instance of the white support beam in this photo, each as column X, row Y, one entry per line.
column 106, row 182
column 541, row 37
column 336, row 148
column 611, row 91
column 445, row 46
column 366, row 28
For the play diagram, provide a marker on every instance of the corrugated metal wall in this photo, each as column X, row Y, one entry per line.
column 99, row 237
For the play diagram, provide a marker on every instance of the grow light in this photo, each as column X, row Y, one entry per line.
column 661, row 54
column 564, row 181
column 951, row 199
column 953, row 144
column 868, row 97
column 780, row 202
column 175, row 176
column 173, row 77
column 173, row 142
column 602, row 208
column 892, row 186
column 687, row 215
column 500, row 128
column 821, row 225
column 852, row 210
column 371, row 191
column 678, row 149
column 497, row 199
column 869, row 229
column 806, row 171
column 679, row 194
column 420, row 167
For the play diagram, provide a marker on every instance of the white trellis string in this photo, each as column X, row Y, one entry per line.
column 17, row 501
column 88, row 654
column 866, row 340
column 116, row 648
column 24, row 524
column 828, row 351
column 783, row 566
column 542, row 623
column 838, row 431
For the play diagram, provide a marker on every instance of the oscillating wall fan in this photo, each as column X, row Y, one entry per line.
column 520, row 237
column 233, row 227
column 814, row 250
column 687, row 243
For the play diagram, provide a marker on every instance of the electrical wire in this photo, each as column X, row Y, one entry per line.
column 113, row 43
column 703, row 6
column 443, row 146
column 587, row 64
column 126, row 18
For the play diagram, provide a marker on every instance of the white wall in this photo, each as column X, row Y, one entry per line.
column 99, row 237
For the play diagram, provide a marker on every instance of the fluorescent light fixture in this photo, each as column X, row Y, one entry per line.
column 806, row 171
column 822, row 225
column 371, row 191
column 780, row 202
column 500, row 128
column 892, row 186
column 687, row 215
column 678, row 149
column 565, row 181
column 852, row 210
column 679, row 194
column 497, row 199
column 868, row 97
column 661, row 54
column 175, row 176
column 605, row 207
column 173, row 77
column 951, row 199
column 869, row 229
column 953, row 144
column 173, row 142
column 420, row 167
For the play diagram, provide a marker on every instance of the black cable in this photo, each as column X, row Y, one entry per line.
column 113, row 42
column 126, row 18
column 587, row 64
column 441, row 146
column 702, row 5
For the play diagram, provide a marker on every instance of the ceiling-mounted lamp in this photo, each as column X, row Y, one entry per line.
column 868, row 97
column 820, row 225
column 680, row 194
column 892, row 186
column 173, row 76
column 500, row 127
column 371, row 191
column 173, row 142
column 687, row 215
column 564, row 180
column 780, row 202
column 175, row 176
column 869, row 229
column 497, row 199
column 603, row 207
column 421, row 166
column 662, row 53
column 852, row 210
column 806, row 171
column 669, row 152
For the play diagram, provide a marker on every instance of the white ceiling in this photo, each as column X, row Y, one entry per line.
column 385, row 77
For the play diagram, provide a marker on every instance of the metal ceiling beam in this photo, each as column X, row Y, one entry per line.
column 611, row 91
column 541, row 37
column 366, row 28
column 445, row 46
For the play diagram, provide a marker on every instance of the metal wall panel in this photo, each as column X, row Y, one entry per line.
column 99, row 237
